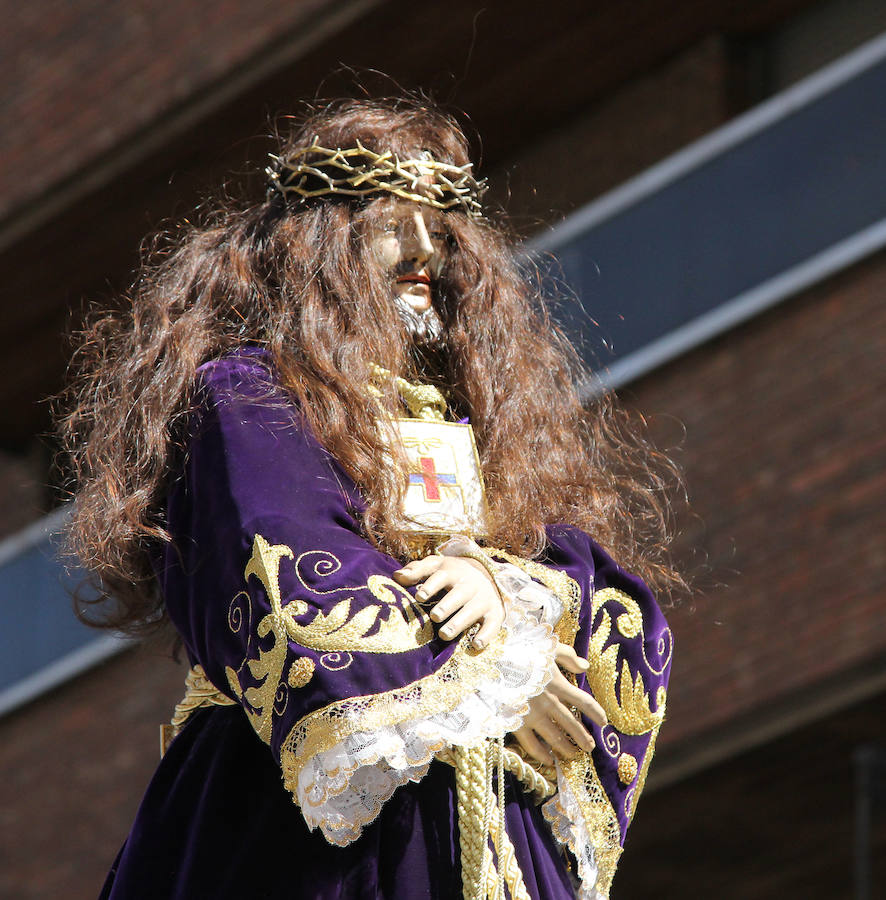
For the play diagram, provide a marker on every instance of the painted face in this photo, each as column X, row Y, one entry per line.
column 411, row 245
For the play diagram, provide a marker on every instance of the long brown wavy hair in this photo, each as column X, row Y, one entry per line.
column 297, row 278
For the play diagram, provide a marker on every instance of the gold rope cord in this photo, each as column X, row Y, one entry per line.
column 481, row 818
column 199, row 692
column 533, row 781
column 423, row 401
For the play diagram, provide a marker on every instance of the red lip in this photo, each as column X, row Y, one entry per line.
column 415, row 278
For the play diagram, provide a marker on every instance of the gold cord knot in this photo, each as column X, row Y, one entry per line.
column 199, row 692
column 423, row 401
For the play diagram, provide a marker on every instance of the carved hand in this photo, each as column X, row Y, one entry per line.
column 550, row 724
column 469, row 595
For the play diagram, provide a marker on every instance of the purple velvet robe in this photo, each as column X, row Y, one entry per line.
column 293, row 615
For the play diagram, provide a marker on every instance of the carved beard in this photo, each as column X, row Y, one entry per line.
column 424, row 327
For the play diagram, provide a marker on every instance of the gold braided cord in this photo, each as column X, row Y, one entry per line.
column 533, row 781
column 315, row 171
column 423, row 401
column 508, row 867
column 199, row 692
column 470, row 793
column 499, row 833
column 481, row 818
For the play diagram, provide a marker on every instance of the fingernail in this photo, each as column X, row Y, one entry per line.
column 585, row 665
column 445, row 633
column 479, row 643
column 421, row 594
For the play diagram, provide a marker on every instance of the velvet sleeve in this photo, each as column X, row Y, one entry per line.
column 294, row 614
column 612, row 620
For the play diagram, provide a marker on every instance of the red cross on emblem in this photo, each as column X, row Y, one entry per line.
column 429, row 477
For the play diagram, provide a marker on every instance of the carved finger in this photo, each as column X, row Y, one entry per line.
column 570, row 660
column 581, row 700
column 418, row 569
column 533, row 746
column 471, row 612
column 556, row 739
column 567, row 723
column 437, row 581
column 451, row 602
column 492, row 622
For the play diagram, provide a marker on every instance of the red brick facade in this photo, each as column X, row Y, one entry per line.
column 784, row 457
column 90, row 76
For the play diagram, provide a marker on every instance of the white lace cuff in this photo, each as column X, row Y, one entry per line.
column 342, row 789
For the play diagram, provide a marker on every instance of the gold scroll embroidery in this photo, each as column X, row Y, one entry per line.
column 629, row 711
column 336, row 631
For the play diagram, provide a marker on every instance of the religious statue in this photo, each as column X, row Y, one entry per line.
column 334, row 441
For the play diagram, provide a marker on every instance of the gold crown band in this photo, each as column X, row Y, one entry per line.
column 315, row 171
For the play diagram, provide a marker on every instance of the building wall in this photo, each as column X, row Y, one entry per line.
column 633, row 127
column 89, row 76
column 783, row 455
column 75, row 765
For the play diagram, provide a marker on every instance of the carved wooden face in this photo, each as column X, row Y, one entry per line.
column 412, row 245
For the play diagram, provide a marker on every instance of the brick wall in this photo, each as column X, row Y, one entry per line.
column 784, row 455
column 24, row 494
column 75, row 765
column 634, row 127
column 111, row 68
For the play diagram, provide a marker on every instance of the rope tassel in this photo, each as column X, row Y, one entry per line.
column 481, row 817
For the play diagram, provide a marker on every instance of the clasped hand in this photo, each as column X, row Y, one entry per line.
column 469, row 596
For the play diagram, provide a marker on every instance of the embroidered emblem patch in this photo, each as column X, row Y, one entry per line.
column 445, row 493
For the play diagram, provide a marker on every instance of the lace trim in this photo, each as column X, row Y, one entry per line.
column 568, row 828
column 565, row 588
column 343, row 762
column 582, row 819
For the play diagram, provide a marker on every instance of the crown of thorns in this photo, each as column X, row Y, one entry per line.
column 314, row 171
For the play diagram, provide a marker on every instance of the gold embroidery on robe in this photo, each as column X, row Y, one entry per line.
column 337, row 632
column 405, row 627
column 629, row 710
